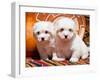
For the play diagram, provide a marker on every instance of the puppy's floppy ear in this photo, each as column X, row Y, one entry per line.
column 74, row 18
column 55, row 23
column 52, row 29
column 75, row 24
column 34, row 35
column 33, row 30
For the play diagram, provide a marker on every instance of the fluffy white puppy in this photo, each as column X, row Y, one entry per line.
column 43, row 32
column 68, row 44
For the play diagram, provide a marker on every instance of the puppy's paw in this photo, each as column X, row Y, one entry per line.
column 46, row 59
column 58, row 59
column 85, row 56
column 74, row 59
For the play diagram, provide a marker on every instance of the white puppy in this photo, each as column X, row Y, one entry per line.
column 68, row 44
column 43, row 32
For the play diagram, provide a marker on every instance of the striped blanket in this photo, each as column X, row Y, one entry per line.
column 42, row 63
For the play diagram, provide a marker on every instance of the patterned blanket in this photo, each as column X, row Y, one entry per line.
column 42, row 63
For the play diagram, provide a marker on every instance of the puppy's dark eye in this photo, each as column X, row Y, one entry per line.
column 70, row 30
column 38, row 33
column 62, row 29
column 46, row 32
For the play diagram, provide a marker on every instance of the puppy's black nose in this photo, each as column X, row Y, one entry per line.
column 42, row 39
column 66, row 36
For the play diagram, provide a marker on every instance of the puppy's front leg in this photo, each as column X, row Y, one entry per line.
column 84, row 56
column 55, row 57
column 85, row 53
column 75, row 56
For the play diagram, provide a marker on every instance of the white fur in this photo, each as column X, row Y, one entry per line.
column 76, row 44
column 45, row 47
column 62, row 21
column 41, row 27
column 79, row 48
